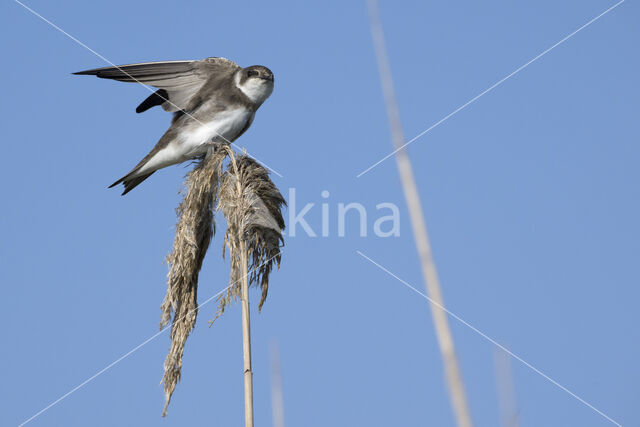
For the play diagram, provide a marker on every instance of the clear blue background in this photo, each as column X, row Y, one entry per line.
column 530, row 194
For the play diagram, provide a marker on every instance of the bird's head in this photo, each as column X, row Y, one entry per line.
column 256, row 82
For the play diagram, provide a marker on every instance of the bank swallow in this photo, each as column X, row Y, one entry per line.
column 212, row 100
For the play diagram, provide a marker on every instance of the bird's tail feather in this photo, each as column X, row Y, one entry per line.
column 131, row 182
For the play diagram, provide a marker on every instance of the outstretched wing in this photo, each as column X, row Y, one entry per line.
column 177, row 81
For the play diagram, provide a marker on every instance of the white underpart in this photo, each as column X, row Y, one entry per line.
column 193, row 140
column 256, row 89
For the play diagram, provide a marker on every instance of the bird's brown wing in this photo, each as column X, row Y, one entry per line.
column 177, row 81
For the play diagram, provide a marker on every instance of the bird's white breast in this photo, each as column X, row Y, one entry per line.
column 192, row 140
column 224, row 128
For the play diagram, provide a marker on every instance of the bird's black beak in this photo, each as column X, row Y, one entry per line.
column 270, row 78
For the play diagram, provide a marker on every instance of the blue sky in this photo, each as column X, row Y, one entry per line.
column 530, row 195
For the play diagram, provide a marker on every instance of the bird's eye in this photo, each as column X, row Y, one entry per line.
column 252, row 73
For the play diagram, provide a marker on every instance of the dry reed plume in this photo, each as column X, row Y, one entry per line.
column 252, row 206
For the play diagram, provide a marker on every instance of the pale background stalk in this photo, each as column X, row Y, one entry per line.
column 277, row 398
column 445, row 339
column 506, row 389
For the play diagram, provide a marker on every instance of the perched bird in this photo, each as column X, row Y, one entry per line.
column 212, row 100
